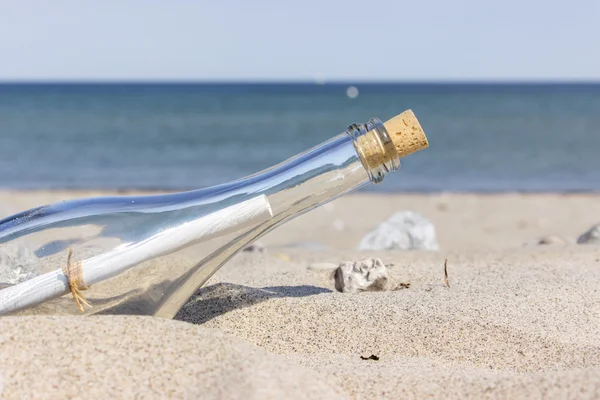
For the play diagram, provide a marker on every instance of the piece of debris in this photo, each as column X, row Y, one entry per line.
column 402, row 285
column 550, row 240
column 369, row 275
column 405, row 230
column 446, row 273
column 371, row 357
column 255, row 247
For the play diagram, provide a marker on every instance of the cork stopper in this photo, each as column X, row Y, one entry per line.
column 406, row 133
column 405, row 137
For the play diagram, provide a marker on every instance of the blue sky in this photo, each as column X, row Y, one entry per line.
column 305, row 40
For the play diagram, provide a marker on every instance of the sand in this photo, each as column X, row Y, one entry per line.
column 140, row 357
column 519, row 320
column 526, row 319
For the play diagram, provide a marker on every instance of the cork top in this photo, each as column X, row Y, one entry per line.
column 381, row 150
column 406, row 133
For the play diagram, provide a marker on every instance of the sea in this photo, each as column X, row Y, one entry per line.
column 494, row 137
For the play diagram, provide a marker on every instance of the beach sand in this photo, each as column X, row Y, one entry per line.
column 519, row 320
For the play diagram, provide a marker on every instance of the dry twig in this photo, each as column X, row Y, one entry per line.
column 446, row 273
column 371, row 357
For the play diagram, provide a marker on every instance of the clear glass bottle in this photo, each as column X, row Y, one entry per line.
column 148, row 254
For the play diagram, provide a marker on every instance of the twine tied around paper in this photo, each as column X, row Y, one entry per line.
column 74, row 274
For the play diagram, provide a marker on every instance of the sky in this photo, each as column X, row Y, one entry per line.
column 274, row 40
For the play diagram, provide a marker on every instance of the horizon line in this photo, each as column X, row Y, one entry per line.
column 298, row 82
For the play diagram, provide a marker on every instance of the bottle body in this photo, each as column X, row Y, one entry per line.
column 148, row 254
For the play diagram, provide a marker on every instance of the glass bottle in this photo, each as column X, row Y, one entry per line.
column 149, row 254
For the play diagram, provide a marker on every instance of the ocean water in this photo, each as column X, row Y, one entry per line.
column 484, row 138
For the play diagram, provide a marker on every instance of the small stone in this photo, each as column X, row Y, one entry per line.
column 404, row 230
column 592, row 236
column 361, row 276
column 255, row 247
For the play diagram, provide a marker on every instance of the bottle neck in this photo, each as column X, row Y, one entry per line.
column 375, row 148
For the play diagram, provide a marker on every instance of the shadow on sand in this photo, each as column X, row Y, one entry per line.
column 212, row 301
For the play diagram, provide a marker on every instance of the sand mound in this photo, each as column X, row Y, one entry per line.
column 528, row 320
column 141, row 357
